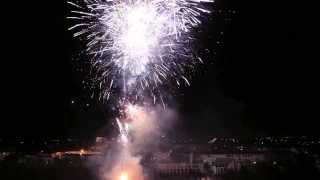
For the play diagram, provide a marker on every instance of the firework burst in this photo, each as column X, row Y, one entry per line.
column 138, row 45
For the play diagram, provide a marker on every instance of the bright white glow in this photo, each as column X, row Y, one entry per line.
column 145, row 41
column 123, row 176
column 138, row 39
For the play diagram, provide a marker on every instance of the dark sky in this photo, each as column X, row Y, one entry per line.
column 257, row 83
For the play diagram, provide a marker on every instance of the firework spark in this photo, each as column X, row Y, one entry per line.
column 135, row 122
column 139, row 44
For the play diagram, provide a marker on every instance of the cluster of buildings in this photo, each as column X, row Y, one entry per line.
column 187, row 159
column 200, row 164
column 224, row 155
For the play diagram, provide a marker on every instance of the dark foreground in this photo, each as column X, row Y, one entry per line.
column 15, row 169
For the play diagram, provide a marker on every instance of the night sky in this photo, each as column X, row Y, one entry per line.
column 256, row 80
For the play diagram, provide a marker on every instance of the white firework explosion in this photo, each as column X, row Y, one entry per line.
column 139, row 44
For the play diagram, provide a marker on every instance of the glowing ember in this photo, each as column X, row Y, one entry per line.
column 128, row 168
column 123, row 176
column 82, row 152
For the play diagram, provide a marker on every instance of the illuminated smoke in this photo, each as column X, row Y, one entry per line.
column 140, row 130
column 135, row 126
column 127, row 168
column 137, row 122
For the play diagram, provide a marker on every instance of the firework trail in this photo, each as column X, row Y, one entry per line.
column 136, row 123
column 138, row 45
